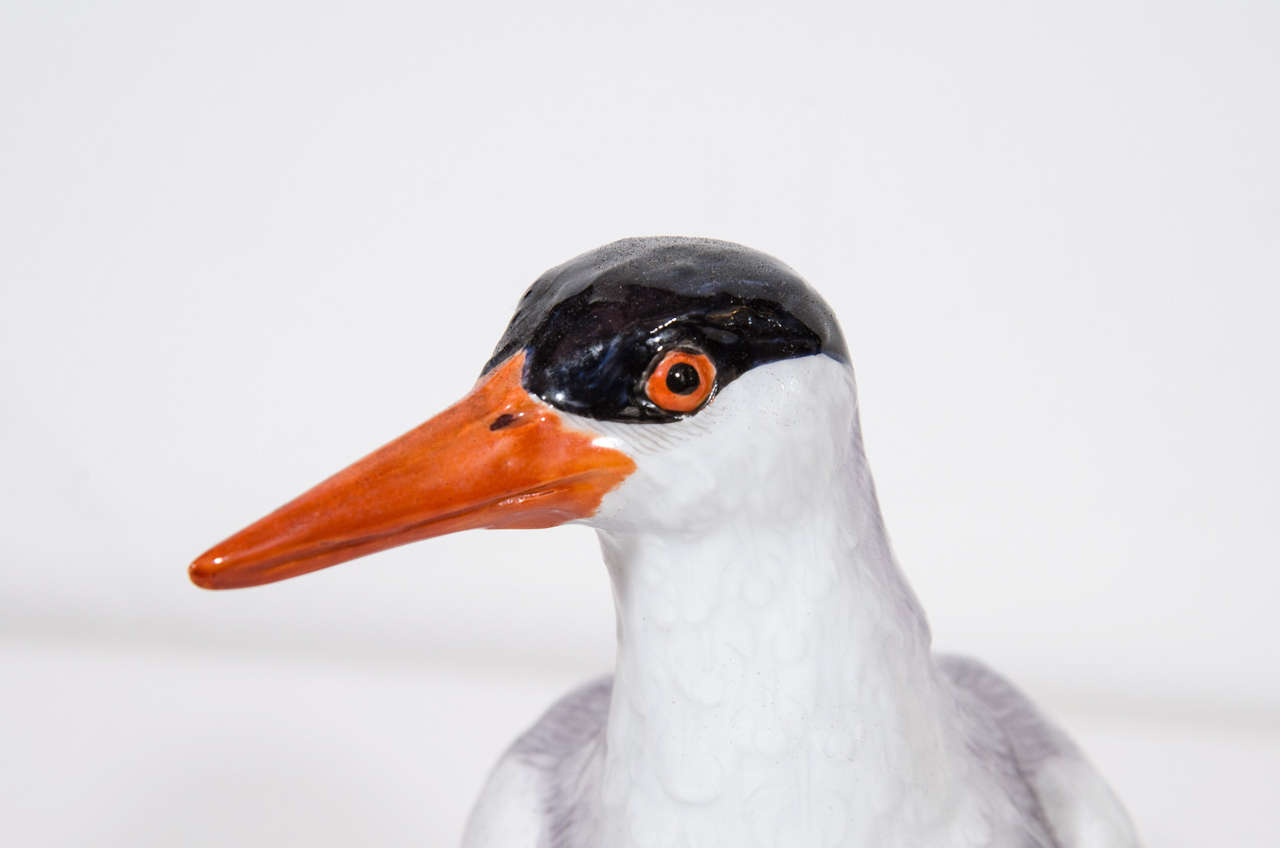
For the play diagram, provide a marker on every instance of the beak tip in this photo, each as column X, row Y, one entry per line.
column 204, row 571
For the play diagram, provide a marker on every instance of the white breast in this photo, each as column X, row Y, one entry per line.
column 775, row 684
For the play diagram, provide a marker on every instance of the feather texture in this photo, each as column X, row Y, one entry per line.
column 775, row 683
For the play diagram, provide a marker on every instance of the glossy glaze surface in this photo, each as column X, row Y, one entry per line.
column 692, row 401
column 497, row 458
column 595, row 326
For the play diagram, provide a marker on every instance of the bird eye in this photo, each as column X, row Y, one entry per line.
column 681, row 380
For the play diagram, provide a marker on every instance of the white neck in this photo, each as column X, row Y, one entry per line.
column 765, row 665
column 774, row 682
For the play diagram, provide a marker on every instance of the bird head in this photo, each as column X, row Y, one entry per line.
column 653, row 384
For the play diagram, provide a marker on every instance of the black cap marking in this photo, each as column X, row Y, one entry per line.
column 593, row 327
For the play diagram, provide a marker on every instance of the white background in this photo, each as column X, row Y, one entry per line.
column 242, row 244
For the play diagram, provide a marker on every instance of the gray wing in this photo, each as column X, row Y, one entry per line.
column 1048, row 778
column 537, row 796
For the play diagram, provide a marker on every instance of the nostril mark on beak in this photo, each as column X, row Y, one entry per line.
column 506, row 419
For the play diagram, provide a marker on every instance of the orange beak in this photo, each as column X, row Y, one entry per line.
column 498, row 458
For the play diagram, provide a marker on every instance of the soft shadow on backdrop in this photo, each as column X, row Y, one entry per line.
column 245, row 243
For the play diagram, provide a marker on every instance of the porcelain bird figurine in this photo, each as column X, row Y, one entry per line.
column 692, row 400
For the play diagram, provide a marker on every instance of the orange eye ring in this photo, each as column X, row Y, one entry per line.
column 681, row 381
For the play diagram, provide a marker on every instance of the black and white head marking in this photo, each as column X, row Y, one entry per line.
column 594, row 328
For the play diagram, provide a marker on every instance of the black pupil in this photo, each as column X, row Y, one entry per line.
column 682, row 378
